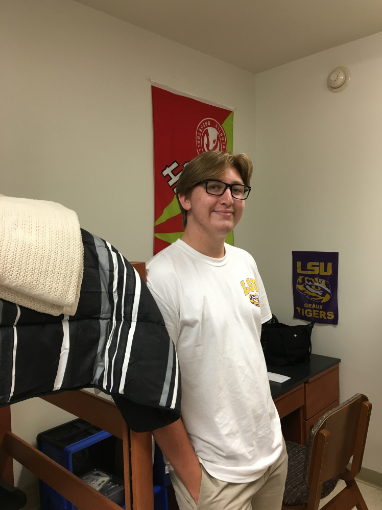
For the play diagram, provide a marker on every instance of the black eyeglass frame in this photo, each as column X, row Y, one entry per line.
column 206, row 181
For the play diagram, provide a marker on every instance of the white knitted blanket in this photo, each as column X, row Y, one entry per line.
column 41, row 255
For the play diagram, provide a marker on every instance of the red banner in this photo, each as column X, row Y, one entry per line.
column 183, row 128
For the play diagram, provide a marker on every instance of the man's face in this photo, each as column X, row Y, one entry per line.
column 214, row 215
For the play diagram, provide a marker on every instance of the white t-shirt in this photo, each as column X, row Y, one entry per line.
column 213, row 310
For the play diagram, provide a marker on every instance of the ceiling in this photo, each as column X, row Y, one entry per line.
column 255, row 35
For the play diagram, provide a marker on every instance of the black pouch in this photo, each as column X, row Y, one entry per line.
column 286, row 345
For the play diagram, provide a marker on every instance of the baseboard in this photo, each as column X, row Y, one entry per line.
column 370, row 477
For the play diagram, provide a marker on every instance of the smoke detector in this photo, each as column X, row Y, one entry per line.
column 338, row 79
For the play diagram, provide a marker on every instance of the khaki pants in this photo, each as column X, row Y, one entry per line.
column 266, row 493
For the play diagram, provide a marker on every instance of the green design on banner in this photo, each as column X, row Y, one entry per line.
column 170, row 237
column 169, row 212
column 228, row 128
column 229, row 238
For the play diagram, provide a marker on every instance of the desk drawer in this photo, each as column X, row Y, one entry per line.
column 290, row 401
column 321, row 391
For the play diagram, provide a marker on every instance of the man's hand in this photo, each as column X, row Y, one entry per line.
column 175, row 444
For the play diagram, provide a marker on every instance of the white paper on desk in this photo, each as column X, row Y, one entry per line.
column 277, row 377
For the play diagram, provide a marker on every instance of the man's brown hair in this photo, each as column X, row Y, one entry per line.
column 211, row 165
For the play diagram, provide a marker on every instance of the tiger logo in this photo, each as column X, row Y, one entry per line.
column 315, row 289
column 254, row 299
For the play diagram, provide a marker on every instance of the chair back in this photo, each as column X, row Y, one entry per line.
column 346, row 424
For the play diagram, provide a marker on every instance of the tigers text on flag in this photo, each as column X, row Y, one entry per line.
column 183, row 128
column 315, row 286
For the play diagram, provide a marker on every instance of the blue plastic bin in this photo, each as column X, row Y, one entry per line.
column 62, row 443
column 53, row 443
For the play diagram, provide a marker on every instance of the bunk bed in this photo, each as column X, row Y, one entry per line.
column 139, row 409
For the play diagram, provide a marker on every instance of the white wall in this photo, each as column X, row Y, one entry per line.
column 76, row 128
column 319, row 159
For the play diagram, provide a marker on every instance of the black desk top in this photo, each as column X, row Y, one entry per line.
column 299, row 375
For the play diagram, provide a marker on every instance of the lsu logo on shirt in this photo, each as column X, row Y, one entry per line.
column 250, row 286
column 254, row 299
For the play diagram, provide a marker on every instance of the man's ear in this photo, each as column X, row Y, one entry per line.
column 185, row 202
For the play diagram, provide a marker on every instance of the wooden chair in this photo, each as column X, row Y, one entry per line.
column 313, row 470
column 137, row 451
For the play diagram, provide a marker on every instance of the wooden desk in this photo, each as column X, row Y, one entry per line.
column 312, row 390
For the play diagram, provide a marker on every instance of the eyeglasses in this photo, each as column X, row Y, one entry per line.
column 218, row 188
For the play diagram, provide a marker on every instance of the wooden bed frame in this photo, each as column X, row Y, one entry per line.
column 137, row 451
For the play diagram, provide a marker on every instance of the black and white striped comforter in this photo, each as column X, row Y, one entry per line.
column 116, row 341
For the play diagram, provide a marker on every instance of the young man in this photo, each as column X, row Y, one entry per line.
column 227, row 450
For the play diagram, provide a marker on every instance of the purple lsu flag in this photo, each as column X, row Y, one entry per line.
column 315, row 286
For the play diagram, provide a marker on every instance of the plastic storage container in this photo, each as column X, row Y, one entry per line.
column 81, row 447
